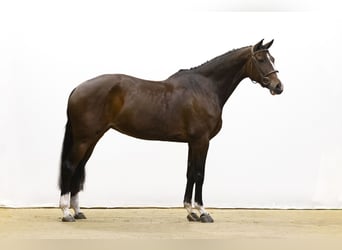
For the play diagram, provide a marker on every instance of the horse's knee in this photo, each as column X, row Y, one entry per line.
column 199, row 178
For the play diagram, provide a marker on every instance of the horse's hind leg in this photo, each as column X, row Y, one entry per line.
column 77, row 182
column 76, row 186
column 72, row 177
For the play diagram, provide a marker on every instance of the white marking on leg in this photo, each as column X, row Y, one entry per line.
column 75, row 203
column 64, row 204
column 188, row 207
column 200, row 209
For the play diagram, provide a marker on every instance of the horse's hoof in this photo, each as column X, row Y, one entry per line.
column 206, row 218
column 68, row 218
column 80, row 216
column 193, row 217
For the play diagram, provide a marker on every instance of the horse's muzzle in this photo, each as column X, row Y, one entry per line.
column 277, row 90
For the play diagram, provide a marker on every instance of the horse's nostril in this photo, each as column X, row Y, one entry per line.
column 279, row 87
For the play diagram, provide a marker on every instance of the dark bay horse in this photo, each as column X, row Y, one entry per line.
column 186, row 107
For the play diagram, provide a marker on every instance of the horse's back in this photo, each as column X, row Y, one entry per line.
column 120, row 101
column 95, row 87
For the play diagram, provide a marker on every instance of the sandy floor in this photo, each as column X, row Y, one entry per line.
column 172, row 224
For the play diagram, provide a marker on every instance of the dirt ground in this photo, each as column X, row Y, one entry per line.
column 171, row 224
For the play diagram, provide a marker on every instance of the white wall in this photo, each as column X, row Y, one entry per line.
column 283, row 151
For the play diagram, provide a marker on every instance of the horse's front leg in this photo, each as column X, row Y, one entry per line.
column 192, row 216
column 195, row 175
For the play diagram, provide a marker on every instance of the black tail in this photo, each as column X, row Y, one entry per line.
column 67, row 145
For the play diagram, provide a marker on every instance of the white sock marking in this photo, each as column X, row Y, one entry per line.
column 200, row 209
column 75, row 203
column 64, row 204
column 188, row 207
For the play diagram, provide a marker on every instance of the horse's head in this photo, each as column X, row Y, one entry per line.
column 261, row 68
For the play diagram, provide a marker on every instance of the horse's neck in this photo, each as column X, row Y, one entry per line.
column 226, row 72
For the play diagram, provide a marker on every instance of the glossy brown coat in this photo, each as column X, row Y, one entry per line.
column 186, row 107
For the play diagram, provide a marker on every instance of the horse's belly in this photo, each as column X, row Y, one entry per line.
column 148, row 126
column 151, row 132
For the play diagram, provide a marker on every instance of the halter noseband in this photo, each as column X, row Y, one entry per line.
column 264, row 77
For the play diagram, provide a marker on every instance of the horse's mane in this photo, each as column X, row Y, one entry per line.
column 229, row 53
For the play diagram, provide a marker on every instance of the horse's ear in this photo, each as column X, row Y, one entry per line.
column 268, row 45
column 258, row 46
